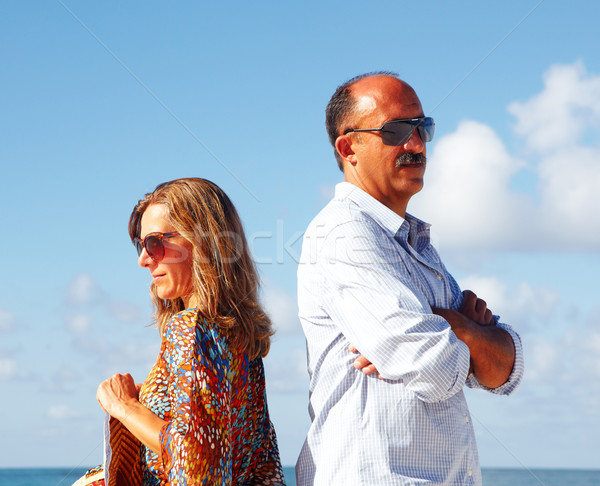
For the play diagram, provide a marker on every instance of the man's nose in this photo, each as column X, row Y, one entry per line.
column 414, row 143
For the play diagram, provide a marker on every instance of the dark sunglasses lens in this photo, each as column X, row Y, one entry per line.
column 426, row 129
column 139, row 246
column 398, row 132
column 154, row 247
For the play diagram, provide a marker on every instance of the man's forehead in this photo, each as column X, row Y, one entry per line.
column 368, row 103
column 365, row 103
column 385, row 94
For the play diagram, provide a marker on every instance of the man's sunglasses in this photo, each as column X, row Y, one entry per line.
column 153, row 242
column 398, row 132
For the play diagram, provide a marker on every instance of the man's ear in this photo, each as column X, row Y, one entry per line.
column 343, row 144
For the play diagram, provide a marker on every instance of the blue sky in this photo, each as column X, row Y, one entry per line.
column 104, row 100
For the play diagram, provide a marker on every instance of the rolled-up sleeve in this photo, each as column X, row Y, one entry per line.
column 382, row 312
column 516, row 374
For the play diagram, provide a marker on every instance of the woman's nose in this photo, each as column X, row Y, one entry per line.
column 144, row 259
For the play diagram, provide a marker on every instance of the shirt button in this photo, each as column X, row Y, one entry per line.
column 466, row 419
column 469, row 473
column 438, row 276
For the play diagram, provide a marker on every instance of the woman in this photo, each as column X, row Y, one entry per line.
column 201, row 414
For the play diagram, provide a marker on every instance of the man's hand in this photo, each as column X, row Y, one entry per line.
column 472, row 310
column 492, row 350
column 476, row 309
column 491, row 347
column 361, row 363
column 472, row 307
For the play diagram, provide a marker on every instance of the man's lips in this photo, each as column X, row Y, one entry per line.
column 410, row 165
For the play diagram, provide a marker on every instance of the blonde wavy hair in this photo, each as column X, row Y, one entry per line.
column 225, row 279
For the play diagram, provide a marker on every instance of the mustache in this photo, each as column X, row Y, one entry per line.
column 410, row 158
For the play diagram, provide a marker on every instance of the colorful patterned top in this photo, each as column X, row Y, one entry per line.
column 213, row 398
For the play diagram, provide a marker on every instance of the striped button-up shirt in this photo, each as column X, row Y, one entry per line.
column 369, row 277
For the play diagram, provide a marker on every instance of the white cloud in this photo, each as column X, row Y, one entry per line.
column 469, row 196
column 492, row 290
column 326, row 192
column 583, row 342
column 282, row 308
column 285, row 369
column 123, row 311
column 560, row 115
column 8, row 369
column 570, row 198
column 64, row 380
column 79, row 323
column 63, row 413
column 562, row 362
column 518, row 305
column 285, row 366
column 114, row 354
column 567, row 363
column 137, row 353
column 542, row 360
column 83, row 290
column 591, row 348
column 52, row 432
column 7, row 321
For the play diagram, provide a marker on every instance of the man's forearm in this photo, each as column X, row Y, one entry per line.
column 492, row 354
column 492, row 348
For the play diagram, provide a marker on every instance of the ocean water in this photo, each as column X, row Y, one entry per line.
column 491, row 477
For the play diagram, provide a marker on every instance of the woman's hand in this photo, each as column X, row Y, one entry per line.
column 118, row 395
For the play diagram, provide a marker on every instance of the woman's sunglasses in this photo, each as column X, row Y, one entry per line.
column 398, row 132
column 153, row 242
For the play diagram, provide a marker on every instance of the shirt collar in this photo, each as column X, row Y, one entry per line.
column 387, row 219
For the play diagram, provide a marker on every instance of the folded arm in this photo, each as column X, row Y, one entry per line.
column 491, row 348
column 384, row 313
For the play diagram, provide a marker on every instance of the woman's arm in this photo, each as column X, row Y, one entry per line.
column 118, row 396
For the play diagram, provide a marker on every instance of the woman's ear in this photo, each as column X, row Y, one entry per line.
column 343, row 144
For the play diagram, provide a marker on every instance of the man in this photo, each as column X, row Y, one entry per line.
column 369, row 280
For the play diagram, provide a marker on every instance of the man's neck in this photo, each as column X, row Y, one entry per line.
column 398, row 205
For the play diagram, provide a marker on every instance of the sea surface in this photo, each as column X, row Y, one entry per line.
column 491, row 477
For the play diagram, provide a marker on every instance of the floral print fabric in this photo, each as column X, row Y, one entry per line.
column 213, row 398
